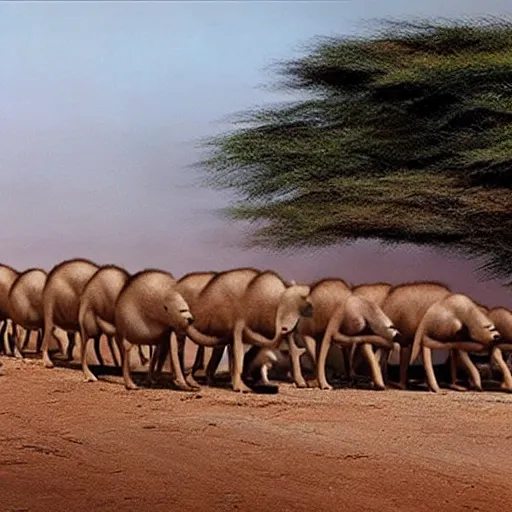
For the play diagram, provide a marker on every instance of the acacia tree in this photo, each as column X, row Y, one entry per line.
column 405, row 137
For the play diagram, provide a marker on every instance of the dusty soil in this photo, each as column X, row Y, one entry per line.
column 70, row 445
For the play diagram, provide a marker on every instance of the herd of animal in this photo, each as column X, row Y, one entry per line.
column 245, row 306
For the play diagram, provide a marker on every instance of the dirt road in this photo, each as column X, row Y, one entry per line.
column 70, row 445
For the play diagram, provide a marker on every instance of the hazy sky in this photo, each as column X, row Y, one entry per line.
column 101, row 105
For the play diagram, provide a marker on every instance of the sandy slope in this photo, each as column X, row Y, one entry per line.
column 69, row 445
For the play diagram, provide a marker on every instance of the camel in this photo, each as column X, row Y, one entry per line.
column 7, row 277
column 458, row 323
column 25, row 308
column 147, row 310
column 195, row 287
column 189, row 286
column 96, row 312
column 61, row 300
column 261, row 357
column 501, row 318
column 405, row 305
column 247, row 306
column 344, row 318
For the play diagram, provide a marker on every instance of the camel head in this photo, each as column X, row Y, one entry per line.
column 473, row 322
column 176, row 311
column 363, row 316
column 293, row 304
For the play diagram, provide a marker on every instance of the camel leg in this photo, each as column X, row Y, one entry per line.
column 153, row 374
column 26, row 340
column 453, row 372
column 378, row 381
column 497, row 356
column 295, row 354
column 353, row 360
column 39, row 341
column 111, row 347
column 213, row 364
column 426, row 353
column 7, row 347
column 143, row 359
column 89, row 376
column 97, row 350
column 125, row 348
column 471, row 369
column 179, row 378
column 198, row 360
column 3, row 328
column 71, row 345
column 238, row 360
column 310, row 344
column 320, row 363
column 48, row 333
column 16, row 342
column 383, row 357
column 405, row 354
column 189, row 374
column 163, row 350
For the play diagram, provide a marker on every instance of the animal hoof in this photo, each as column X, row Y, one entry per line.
column 242, row 389
column 301, row 384
column 90, row 378
column 326, row 387
column 456, row 387
column 183, row 385
column 132, row 387
column 192, row 382
column 379, row 387
column 506, row 387
column 48, row 365
column 398, row 386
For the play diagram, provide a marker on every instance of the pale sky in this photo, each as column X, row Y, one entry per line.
column 102, row 104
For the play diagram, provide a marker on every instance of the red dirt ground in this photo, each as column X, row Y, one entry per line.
column 67, row 445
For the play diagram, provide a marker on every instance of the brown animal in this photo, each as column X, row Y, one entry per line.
column 64, row 286
column 213, row 301
column 189, row 286
column 344, row 318
column 7, row 277
column 454, row 322
column 258, row 360
column 405, row 305
column 25, row 307
column 96, row 311
column 502, row 320
column 247, row 306
column 148, row 309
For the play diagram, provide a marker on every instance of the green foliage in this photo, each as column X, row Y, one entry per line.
column 407, row 138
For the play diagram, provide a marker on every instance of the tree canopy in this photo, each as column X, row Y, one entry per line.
column 404, row 135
